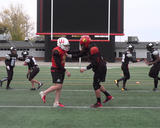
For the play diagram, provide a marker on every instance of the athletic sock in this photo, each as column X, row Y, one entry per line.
column 124, row 83
column 155, row 82
column 98, row 100
column 120, row 79
column 8, row 83
column 106, row 93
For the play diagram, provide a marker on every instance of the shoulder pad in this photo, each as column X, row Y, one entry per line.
column 8, row 57
column 129, row 55
column 55, row 52
column 155, row 52
column 27, row 60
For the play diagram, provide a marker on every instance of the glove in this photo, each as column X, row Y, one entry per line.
column 69, row 55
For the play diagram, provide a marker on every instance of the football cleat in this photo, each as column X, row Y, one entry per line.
column 96, row 105
column 124, row 89
column 32, row 89
column 55, row 105
column 154, row 89
column 40, row 85
column 43, row 97
column 117, row 83
column 108, row 99
column 8, row 88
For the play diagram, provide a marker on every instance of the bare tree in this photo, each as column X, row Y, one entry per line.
column 17, row 22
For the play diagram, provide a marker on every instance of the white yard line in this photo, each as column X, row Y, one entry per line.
column 82, row 107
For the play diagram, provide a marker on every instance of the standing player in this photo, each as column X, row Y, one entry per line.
column 127, row 56
column 155, row 62
column 98, row 66
column 33, row 69
column 57, row 70
column 10, row 64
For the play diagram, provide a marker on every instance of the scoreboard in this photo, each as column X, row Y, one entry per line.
column 80, row 16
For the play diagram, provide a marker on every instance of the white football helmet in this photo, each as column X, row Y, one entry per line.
column 63, row 43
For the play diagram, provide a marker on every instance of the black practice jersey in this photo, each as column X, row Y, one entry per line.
column 97, row 62
column 154, row 55
column 11, row 59
column 79, row 53
column 126, row 57
column 31, row 62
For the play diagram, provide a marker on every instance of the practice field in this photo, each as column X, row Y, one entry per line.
column 139, row 107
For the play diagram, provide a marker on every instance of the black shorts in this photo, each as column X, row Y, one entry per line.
column 58, row 77
column 154, row 71
column 33, row 73
column 100, row 75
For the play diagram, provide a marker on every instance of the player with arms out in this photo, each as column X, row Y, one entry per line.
column 10, row 64
column 57, row 70
column 98, row 65
column 33, row 69
column 126, row 58
column 155, row 62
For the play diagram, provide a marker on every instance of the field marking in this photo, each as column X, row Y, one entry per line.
column 82, row 107
column 76, row 90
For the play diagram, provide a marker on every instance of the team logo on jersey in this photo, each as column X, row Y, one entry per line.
column 58, row 80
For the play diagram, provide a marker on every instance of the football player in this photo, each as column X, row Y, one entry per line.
column 10, row 64
column 126, row 58
column 58, row 70
column 98, row 65
column 33, row 69
column 155, row 62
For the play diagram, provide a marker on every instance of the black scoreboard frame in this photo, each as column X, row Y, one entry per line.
column 67, row 27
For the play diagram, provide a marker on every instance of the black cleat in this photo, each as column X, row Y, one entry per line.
column 8, row 88
column 40, row 85
column 117, row 83
column 124, row 89
column 96, row 105
column 154, row 89
column 32, row 89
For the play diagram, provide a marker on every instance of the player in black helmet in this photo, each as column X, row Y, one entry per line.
column 33, row 69
column 10, row 64
column 155, row 62
column 98, row 65
column 126, row 58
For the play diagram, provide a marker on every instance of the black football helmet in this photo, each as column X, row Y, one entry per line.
column 130, row 48
column 13, row 50
column 150, row 46
column 25, row 53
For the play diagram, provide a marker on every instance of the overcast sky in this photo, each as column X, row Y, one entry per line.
column 141, row 17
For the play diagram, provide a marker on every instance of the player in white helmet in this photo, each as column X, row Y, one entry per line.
column 57, row 70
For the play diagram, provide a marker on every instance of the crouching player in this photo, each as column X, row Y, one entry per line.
column 57, row 71
column 98, row 66
column 33, row 69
